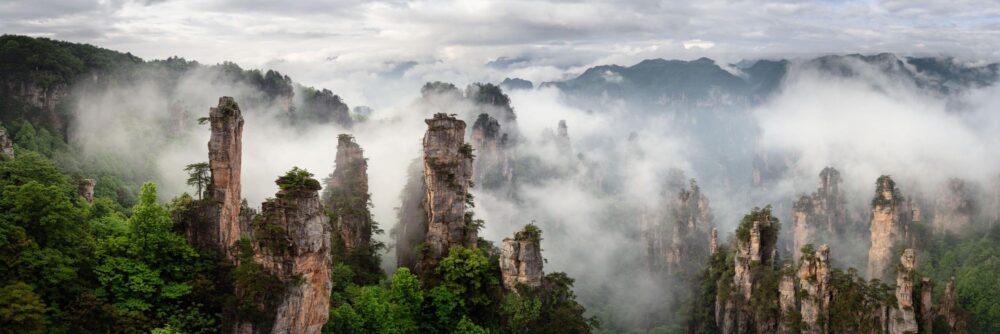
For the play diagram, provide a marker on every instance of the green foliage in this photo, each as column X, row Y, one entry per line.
column 467, row 272
column 858, row 302
column 974, row 262
column 257, row 291
column 529, row 232
column 298, row 179
column 21, row 310
column 199, row 177
column 885, row 184
column 466, row 151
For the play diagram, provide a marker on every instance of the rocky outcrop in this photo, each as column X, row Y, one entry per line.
column 45, row 97
column 903, row 318
column 952, row 314
column 926, row 305
column 889, row 223
column 324, row 107
column 786, row 301
column 691, row 218
column 755, row 249
column 6, row 144
column 955, row 207
column 346, row 195
column 562, row 138
column 225, row 150
column 292, row 246
column 521, row 259
column 494, row 157
column 814, row 279
column 821, row 217
column 86, row 189
column 447, row 174
column 412, row 226
column 713, row 242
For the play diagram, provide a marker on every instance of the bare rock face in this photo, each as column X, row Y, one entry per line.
column 494, row 164
column 562, row 138
column 953, row 315
column 755, row 247
column 814, row 279
column 292, row 245
column 521, row 259
column 821, row 217
column 786, row 301
column 713, row 242
column 903, row 318
column 447, row 174
column 6, row 144
column 347, row 197
column 412, row 227
column 926, row 304
column 955, row 207
column 225, row 151
column 692, row 222
column 889, row 223
column 86, row 189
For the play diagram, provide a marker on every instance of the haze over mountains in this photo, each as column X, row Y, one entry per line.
column 631, row 171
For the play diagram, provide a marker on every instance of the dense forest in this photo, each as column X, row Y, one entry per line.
column 89, row 245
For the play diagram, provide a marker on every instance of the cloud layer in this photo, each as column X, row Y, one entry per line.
column 349, row 46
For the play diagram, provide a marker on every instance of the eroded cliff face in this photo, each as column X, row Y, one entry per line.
column 692, row 222
column 903, row 318
column 889, row 223
column 225, row 151
column 821, row 217
column 955, row 207
column 292, row 246
column 814, row 279
column 447, row 174
column 494, row 155
column 44, row 97
column 786, row 301
column 953, row 316
column 521, row 259
column 755, row 250
column 347, row 197
column 412, row 227
column 86, row 189
column 6, row 144
column 926, row 304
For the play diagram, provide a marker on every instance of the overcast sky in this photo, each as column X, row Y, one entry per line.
column 340, row 44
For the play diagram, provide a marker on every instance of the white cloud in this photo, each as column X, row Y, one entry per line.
column 698, row 44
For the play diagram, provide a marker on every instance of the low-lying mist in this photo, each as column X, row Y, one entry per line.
column 619, row 167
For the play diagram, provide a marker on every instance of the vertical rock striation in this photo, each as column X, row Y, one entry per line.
column 6, row 144
column 347, row 197
column 447, row 174
column 521, row 259
column 494, row 159
column 412, row 227
column 889, row 221
column 951, row 313
column 821, row 217
column 903, row 318
column 786, row 301
column 814, row 279
column 225, row 150
column 86, row 189
column 954, row 208
column 755, row 249
column 926, row 305
column 292, row 246
column 692, row 223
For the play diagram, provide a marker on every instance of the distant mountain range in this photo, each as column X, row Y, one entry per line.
column 703, row 82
